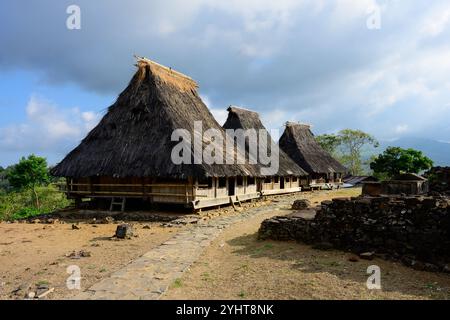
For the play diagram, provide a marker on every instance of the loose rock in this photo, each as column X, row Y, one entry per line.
column 124, row 231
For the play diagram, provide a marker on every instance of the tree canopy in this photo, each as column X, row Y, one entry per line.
column 28, row 174
column 347, row 146
column 395, row 160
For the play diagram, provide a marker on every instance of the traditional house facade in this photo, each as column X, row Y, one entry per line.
column 299, row 144
column 289, row 177
column 128, row 154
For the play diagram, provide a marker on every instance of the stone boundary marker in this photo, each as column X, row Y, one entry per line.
column 149, row 277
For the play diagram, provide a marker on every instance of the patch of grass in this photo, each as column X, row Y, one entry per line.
column 431, row 286
column 177, row 283
column 243, row 267
column 42, row 283
column 19, row 205
column 91, row 267
column 206, row 276
column 102, row 270
column 333, row 264
column 241, row 294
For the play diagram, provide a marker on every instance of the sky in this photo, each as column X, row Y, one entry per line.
column 381, row 66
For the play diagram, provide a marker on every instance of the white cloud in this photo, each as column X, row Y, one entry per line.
column 401, row 128
column 47, row 128
column 436, row 21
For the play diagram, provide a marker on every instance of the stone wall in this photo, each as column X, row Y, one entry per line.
column 415, row 230
column 439, row 180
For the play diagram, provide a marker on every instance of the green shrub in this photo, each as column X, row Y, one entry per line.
column 19, row 204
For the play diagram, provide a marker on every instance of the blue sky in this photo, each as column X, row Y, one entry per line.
column 312, row 61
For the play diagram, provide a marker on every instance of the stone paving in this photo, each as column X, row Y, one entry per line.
column 149, row 276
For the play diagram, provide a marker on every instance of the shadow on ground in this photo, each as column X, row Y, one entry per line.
column 395, row 277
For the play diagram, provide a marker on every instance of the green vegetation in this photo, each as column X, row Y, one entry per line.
column 396, row 160
column 25, row 190
column 28, row 174
column 346, row 146
column 177, row 283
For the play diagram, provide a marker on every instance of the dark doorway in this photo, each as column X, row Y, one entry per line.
column 231, row 186
column 282, row 183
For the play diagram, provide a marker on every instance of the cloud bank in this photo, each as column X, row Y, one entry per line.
column 307, row 60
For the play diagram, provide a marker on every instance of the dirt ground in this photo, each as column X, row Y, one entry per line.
column 238, row 266
column 33, row 255
column 235, row 266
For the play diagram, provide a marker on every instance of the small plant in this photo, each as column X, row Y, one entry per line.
column 177, row 283
column 241, row 294
column 206, row 276
column 42, row 283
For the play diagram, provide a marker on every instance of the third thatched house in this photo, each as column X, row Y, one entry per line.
column 299, row 143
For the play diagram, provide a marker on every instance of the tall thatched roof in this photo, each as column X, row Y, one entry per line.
column 239, row 118
column 299, row 143
column 134, row 138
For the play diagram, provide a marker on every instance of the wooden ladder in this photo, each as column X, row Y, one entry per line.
column 233, row 203
column 120, row 203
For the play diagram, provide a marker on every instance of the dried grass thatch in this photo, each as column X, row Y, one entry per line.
column 299, row 143
column 239, row 118
column 134, row 138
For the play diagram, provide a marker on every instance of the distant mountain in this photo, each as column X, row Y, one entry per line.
column 437, row 151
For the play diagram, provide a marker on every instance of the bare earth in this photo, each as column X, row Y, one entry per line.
column 235, row 266
column 36, row 254
column 238, row 266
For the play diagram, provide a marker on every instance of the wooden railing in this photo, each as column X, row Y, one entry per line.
column 92, row 189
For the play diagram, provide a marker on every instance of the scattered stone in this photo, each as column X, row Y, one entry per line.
column 146, row 227
column 79, row 254
column 301, row 204
column 75, row 227
column 108, row 220
column 124, row 231
column 22, row 289
column 367, row 255
column 31, row 295
column 45, row 293
column 353, row 259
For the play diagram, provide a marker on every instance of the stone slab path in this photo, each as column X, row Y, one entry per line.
column 149, row 276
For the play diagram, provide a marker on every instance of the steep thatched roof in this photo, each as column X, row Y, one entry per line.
column 239, row 118
column 134, row 138
column 299, row 143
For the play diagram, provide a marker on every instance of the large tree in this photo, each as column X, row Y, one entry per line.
column 347, row 146
column 29, row 173
column 395, row 160
column 329, row 142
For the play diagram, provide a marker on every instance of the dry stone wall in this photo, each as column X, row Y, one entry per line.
column 415, row 230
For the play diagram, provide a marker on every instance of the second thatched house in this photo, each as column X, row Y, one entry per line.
column 290, row 177
column 299, row 143
column 128, row 155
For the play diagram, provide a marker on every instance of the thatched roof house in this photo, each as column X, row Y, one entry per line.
column 132, row 143
column 134, row 138
column 239, row 118
column 299, row 143
column 288, row 171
